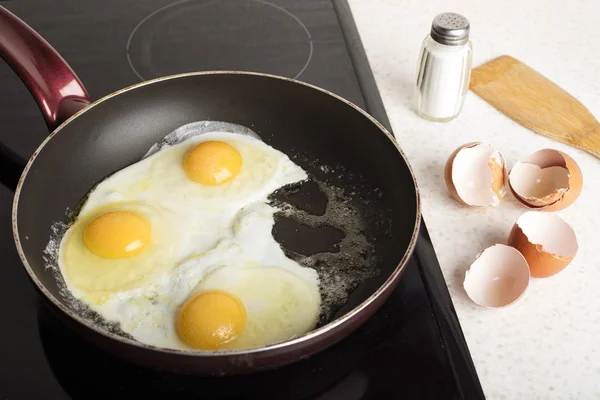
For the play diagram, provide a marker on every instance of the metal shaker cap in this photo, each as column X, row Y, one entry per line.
column 450, row 29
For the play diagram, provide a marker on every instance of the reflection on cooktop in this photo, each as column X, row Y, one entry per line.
column 200, row 35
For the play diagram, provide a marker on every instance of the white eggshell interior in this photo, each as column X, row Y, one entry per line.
column 550, row 231
column 498, row 277
column 529, row 180
column 472, row 177
column 546, row 158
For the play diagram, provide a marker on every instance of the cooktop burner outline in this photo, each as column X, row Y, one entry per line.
column 170, row 7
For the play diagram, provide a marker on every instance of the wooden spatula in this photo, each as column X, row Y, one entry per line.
column 537, row 103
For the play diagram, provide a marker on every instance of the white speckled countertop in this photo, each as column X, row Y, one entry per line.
column 544, row 346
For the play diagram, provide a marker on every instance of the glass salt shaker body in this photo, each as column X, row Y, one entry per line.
column 444, row 69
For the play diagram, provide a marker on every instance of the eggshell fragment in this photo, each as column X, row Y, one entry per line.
column 547, row 180
column 476, row 175
column 546, row 241
column 498, row 277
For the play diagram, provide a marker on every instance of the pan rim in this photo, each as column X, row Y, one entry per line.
column 332, row 325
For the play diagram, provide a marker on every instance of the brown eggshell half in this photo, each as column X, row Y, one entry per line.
column 548, row 180
column 498, row 277
column 546, row 241
column 496, row 187
column 448, row 171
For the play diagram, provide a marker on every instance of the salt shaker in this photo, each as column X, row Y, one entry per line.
column 444, row 68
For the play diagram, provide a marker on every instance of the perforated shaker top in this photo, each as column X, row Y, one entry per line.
column 450, row 29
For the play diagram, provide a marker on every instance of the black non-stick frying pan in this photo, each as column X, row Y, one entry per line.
column 313, row 126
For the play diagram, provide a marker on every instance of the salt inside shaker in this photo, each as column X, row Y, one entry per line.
column 444, row 68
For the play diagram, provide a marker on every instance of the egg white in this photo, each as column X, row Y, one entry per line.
column 281, row 297
column 226, row 227
column 161, row 178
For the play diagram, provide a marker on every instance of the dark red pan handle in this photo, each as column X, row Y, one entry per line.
column 56, row 88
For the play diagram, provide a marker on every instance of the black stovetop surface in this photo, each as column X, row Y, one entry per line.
column 412, row 348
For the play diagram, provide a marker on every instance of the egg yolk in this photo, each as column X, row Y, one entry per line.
column 212, row 163
column 117, row 234
column 210, row 319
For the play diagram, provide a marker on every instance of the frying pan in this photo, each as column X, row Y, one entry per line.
column 89, row 141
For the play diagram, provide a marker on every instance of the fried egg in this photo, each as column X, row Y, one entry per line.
column 280, row 298
column 118, row 246
column 177, row 248
column 274, row 305
column 211, row 172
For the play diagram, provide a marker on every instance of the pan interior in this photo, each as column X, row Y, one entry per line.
column 345, row 153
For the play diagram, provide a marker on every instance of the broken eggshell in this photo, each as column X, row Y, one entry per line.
column 546, row 241
column 476, row 175
column 498, row 277
column 546, row 180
